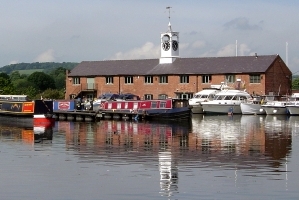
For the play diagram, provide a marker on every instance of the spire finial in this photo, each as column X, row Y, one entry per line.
column 169, row 25
column 168, row 7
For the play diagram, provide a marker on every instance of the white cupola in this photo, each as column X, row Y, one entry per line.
column 169, row 45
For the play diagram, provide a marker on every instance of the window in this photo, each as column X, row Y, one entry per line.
column 148, row 79
column 163, row 79
column 206, row 78
column 184, row 79
column 162, row 104
column 76, row 81
column 148, row 96
column 154, row 104
column 128, row 79
column 255, row 78
column 162, row 96
column 230, row 78
column 109, row 79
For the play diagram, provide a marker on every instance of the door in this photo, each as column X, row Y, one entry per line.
column 90, row 83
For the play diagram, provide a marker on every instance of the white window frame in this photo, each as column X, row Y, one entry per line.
column 163, row 79
column 184, row 79
column 230, row 78
column 148, row 79
column 255, row 78
column 109, row 80
column 129, row 80
column 206, row 78
column 148, row 96
column 76, row 81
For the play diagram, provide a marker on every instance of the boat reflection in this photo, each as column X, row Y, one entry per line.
column 233, row 142
column 22, row 129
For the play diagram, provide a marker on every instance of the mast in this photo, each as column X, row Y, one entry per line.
column 287, row 61
column 236, row 47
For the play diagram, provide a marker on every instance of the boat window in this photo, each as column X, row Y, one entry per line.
column 234, row 98
column 163, row 104
column 228, row 97
column 242, row 98
column 153, row 104
column 212, row 96
column 135, row 106
column 119, row 105
column 204, row 96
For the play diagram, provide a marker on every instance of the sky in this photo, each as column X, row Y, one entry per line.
column 95, row 30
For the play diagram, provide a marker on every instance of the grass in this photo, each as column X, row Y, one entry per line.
column 30, row 71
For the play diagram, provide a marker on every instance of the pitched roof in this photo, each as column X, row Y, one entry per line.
column 207, row 65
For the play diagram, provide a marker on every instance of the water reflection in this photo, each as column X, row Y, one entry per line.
column 230, row 142
column 21, row 129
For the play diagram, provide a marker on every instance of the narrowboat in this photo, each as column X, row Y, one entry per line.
column 20, row 106
column 162, row 109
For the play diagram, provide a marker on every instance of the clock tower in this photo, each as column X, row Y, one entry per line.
column 169, row 45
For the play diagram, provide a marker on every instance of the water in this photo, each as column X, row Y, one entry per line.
column 212, row 157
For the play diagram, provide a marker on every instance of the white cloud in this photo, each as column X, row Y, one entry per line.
column 244, row 50
column 148, row 50
column 13, row 62
column 198, row 44
column 242, row 23
column 228, row 50
column 184, row 46
column 47, row 56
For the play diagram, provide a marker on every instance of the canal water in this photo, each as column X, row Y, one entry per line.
column 210, row 157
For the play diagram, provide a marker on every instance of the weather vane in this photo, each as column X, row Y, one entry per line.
column 168, row 7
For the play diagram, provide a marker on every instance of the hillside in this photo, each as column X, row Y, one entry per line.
column 28, row 68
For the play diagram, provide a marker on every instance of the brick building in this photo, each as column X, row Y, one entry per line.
column 175, row 77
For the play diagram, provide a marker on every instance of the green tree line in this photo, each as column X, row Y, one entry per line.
column 46, row 83
column 46, row 67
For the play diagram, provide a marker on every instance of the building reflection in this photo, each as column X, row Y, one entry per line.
column 214, row 140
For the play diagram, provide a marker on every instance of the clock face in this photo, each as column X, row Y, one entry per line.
column 175, row 45
column 165, row 38
column 166, row 46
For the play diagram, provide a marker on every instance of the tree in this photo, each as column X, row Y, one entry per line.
column 41, row 81
column 53, row 94
column 6, row 86
column 15, row 75
column 23, row 86
column 59, row 77
column 295, row 84
column 5, row 76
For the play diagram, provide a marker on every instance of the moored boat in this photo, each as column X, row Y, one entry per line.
column 293, row 105
column 21, row 106
column 226, row 102
column 275, row 105
column 293, row 109
column 207, row 94
column 161, row 109
column 253, row 106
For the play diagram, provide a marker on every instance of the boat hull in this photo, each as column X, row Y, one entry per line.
column 183, row 113
column 252, row 109
column 293, row 109
column 197, row 109
column 275, row 110
column 221, row 108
